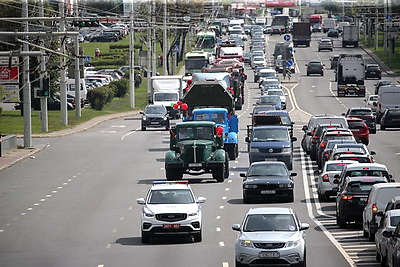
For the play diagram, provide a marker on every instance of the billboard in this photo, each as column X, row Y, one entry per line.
column 8, row 75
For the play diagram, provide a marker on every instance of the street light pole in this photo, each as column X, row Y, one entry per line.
column 26, row 85
column 131, row 60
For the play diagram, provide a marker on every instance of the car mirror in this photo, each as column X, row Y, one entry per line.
column 293, row 174
column 286, row 94
column 141, row 112
column 247, row 139
column 343, row 114
column 304, row 226
column 236, row 227
column 337, row 176
column 292, row 123
column 372, row 153
column 201, row 199
column 242, row 175
column 293, row 139
column 304, row 128
column 140, row 201
column 336, row 181
column 317, row 172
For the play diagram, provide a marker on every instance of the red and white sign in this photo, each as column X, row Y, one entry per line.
column 8, row 75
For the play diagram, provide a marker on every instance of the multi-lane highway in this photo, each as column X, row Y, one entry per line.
column 74, row 204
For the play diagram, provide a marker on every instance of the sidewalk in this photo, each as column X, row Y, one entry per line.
column 20, row 154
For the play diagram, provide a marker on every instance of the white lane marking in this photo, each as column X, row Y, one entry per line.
column 224, row 198
column 218, row 229
column 108, row 246
column 30, row 209
column 1, row 230
column 36, row 204
column 128, row 134
column 48, row 195
column 221, row 244
column 118, row 126
column 54, row 191
column 218, row 217
column 23, row 213
column 121, row 219
column 320, row 225
column 225, row 264
column 108, row 131
column 227, row 189
column 221, row 207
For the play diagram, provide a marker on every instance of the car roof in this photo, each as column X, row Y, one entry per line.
column 386, row 185
column 395, row 212
column 270, row 210
column 267, row 70
column 333, row 162
column 354, row 119
column 159, row 185
column 366, row 178
column 268, row 163
column 371, row 166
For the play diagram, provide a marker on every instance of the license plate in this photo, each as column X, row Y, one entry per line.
column 267, row 192
column 352, row 91
column 194, row 164
column 355, row 130
column 154, row 122
column 268, row 255
column 363, row 199
column 372, row 72
column 270, row 159
column 171, row 226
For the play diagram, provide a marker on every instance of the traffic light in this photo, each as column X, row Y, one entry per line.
column 86, row 23
column 46, row 87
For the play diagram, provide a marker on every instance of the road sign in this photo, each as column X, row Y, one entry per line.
column 86, row 59
column 289, row 63
column 286, row 37
column 176, row 48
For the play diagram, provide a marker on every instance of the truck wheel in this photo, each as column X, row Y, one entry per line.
column 218, row 173
column 232, row 151
column 226, row 167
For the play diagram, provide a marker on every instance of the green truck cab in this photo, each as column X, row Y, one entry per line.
column 196, row 147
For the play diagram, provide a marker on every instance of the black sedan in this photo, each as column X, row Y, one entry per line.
column 390, row 119
column 155, row 116
column 269, row 179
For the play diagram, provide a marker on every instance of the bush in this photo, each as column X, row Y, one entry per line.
column 120, row 87
column 100, row 96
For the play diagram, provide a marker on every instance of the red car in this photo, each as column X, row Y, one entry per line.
column 359, row 129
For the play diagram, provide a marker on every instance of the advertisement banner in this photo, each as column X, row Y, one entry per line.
column 8, row 75
column 10, row 93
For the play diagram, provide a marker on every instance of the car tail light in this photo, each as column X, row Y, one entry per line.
column 323, row 144
column 325, row 178
column 327, row 155
column 314, row 139
column 347, row 197
column 374, row 209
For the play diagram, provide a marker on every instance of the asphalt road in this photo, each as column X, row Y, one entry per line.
column 75, row 203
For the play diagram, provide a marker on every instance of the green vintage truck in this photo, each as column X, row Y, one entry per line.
column 196, row 147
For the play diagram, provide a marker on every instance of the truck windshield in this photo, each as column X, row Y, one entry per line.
column 270, row 135
column 195, row 63
column 193, row 132
column 166, row 97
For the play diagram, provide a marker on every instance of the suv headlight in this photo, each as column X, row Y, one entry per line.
column 144, row 118
column 250, row 186
column 194, row 214
column 286, row 149
column 292, row 244
column 165, row 118
column 147, row 213
column 246, row 243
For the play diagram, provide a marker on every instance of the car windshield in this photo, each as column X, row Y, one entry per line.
column 361, row 112
column 376, row 173
column 373, row 98
column 394, row 220
column 271, row 135
column 359, row 159
column 171, row 196
column 269, row 82
column 268, row 170
column 269, row 222
column 335, row 167
column 155, row 110
column 270, row 99
column 314, row 64
column 393, row 113
column 165, row 97
column 193, row 132
column 263, row 108
column 356, row 124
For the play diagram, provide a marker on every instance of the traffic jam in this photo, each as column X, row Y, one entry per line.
column 201, row 111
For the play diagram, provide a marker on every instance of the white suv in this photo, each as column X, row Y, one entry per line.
column 170, row 208
column 378, row 198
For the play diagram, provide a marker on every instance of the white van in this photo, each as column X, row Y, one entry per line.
column 328, row 23
column 70, row 84
column 388, row 97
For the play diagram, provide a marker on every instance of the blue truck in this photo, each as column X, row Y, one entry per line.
column 214, row 101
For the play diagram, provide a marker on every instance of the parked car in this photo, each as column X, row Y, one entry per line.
column 378, row 198
column 155, row 116
column 326, row 178
column 359, row 129
column 390, row 119
column 388, row 223
column 315, row 67
column 268, row 180
column 333, row 33
column 373, row 71
column 53, row 103
column 171, row 208
column 269, row 235
column 352, row 198
column 105, row 36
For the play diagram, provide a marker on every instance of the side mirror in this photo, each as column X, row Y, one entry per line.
column 343, row 114
column 242, row 175
column 304, row 226
column 293, row 139
column 141, row 112
column 293, row 174
column 140, row 201
column 304, row 128
column 336, row 181
column 201, row 199
column 247, row 139
column 236, row 227
column 372, row 152
column 337, row 176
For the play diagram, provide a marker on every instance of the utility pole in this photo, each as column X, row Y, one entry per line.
column 154, row 41
column 26, row 84
column 376, row 25
column 77, row 75
column 131, row 60
column 149, row 49
column 43, row 100
column 63, row 89
column 165, row 40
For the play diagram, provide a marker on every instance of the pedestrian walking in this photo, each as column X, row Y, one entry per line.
column 138, row 80
column 97, row 52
